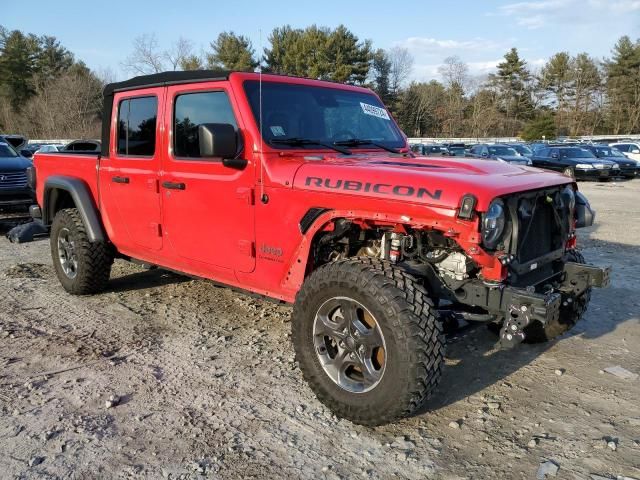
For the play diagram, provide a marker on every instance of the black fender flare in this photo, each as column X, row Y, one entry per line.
column 83, row 200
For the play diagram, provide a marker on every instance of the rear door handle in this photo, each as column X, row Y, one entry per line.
column 174, row 185
column 120, row 179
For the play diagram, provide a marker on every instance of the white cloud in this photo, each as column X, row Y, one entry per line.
column 538, row 14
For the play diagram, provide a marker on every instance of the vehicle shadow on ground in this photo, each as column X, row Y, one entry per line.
column 473, row 362
column 152, row 278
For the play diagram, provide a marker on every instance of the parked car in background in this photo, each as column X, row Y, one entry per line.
column 50, row 148
column 19, row 144
column 628, row 168
column 576, row 162
column 427, row 149
column 535, row 147
column 15, row 193
column 522, row 149
column 629, row 149
column 455, row 150
column 82, row 146
column 502, row 153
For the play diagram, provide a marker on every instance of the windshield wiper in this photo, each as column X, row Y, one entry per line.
column 297, row 141
column 354, row 142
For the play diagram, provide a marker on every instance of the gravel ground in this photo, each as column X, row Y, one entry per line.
column 167, row 377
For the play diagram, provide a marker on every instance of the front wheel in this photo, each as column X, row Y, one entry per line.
column 83, row 267
column 367, row 340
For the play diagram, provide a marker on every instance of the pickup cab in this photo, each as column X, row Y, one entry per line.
column 307, row 192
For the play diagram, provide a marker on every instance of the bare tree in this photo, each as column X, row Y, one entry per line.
column 179, row 53
column 454, row 72
column 146, row 56
column 401, row 67
column 65, row 107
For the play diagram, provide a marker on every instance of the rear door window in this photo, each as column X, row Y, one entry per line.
column 137, row 119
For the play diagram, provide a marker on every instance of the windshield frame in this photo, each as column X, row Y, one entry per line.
column 400, row 143
column 4, row 143
column 503, row 147
column 590, row 155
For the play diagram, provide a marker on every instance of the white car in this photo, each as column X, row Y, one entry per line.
column 49, row 148
column 630, row 149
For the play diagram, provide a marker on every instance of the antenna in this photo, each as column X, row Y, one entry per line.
column 263, row 197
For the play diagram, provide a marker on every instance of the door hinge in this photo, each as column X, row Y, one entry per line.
column 247, row 247
column 246, row 194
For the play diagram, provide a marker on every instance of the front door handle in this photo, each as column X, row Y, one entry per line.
column 174, row 185
column 120, row 179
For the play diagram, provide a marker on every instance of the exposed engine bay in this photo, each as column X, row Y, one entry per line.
column 528, row 232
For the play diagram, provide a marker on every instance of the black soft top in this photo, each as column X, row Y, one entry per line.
column 148, row 81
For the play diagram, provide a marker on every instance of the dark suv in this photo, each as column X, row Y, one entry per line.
column 576, row 162
column 628, row 168
column 14, row 190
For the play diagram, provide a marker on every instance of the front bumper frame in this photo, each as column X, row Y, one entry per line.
column 521, row 306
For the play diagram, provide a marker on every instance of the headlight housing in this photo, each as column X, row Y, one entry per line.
column 584, row 166
column 493, row 223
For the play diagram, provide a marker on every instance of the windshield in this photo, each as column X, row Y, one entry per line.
column 522, row 150
column 576, row 153
column 503, row 151
column 322, row 114
column 7, row 150
column 608, row 152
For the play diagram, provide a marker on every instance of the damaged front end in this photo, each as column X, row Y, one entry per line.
column 531, row 236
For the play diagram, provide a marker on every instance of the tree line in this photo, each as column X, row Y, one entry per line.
column 45, row 92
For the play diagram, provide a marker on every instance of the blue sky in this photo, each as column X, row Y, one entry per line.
column 479, row 32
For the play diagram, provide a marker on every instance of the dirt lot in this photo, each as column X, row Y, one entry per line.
column 208, row 386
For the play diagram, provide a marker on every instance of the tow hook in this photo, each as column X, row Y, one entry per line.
column 512, row 331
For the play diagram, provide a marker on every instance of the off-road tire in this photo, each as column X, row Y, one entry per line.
column 413, row 334
column 569, row 314
column 94, row 258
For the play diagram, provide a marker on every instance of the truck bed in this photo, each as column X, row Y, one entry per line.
column 83, row 166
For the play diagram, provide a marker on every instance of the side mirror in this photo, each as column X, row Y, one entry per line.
column 26, row 153
column 217, row 140
column 484, row 154
column 554, row 155
column 635, row 150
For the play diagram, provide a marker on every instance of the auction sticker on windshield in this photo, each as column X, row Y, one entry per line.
column 374, row 111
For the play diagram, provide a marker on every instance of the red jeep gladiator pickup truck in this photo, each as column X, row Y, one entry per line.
column 306, row 191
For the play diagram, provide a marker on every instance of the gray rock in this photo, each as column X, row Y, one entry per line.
column 455, row 424
column 113, row 401
column 532, row 443
column 612, row 444
column 547, row 469
column 559, row 371
column 493, row 405
column 35, row 461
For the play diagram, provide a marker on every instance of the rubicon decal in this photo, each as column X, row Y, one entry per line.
column 379, row 188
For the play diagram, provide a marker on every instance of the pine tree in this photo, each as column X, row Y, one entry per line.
column 232, row 52
column 623, row 87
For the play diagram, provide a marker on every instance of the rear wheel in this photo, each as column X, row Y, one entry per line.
column 367, row 340
column 83, row 267
column 570, row 313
